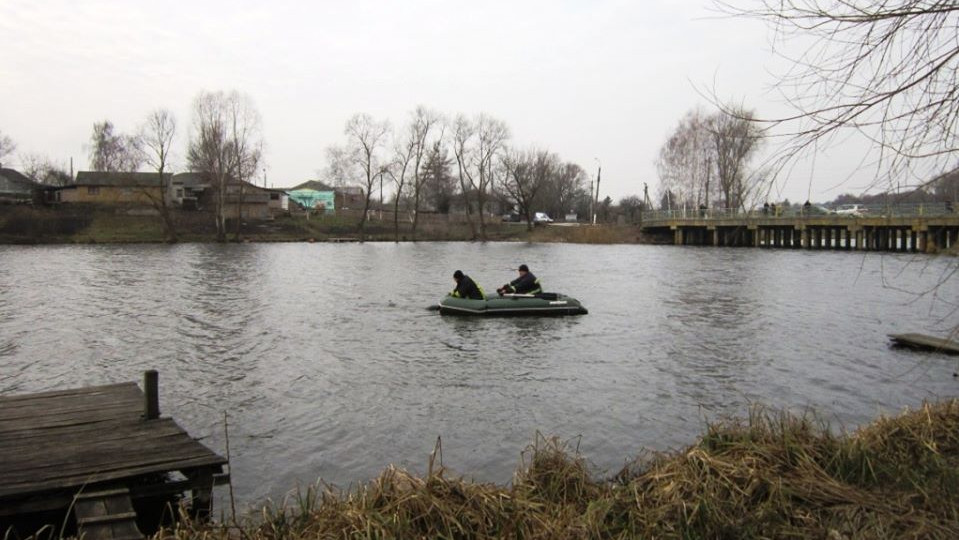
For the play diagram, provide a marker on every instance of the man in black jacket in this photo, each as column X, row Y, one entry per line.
column 466, row 287
column 526, row 283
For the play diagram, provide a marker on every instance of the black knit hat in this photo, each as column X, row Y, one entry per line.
column 457, row 274
column 523, row 268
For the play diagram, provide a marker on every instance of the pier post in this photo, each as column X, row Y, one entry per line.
column 151, row 410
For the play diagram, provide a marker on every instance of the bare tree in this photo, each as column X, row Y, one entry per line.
column 113, row 152
column 397, row 171
column 361, row 156
column 337, row 170
column 425, row 127
column 224, row 146
column 684, row 164
column 244, row 136
column 463, row 134
column 632, row 206
column 527, row 173
column 735, row 140
column 439, row 184
column 706, row 159
column 7, row 146
column 44, row 170
column 565, row 191
column 156, row 137
column 491, row 137
column 887, row 70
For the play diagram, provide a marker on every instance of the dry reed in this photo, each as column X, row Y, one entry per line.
column 772, row 475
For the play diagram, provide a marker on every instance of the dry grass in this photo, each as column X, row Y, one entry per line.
column 772, row 475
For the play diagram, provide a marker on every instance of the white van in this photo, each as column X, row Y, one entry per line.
column 850, row 210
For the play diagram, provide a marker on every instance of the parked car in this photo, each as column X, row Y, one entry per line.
column 855, row 210
column 541, row 217
column 512, row 218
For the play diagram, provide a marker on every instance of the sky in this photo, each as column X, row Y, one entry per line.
column 601, row 83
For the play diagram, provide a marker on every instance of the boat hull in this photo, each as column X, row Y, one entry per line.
column 547, row 304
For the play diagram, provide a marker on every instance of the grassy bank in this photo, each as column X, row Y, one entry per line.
column 773, row 475
column 88, row 225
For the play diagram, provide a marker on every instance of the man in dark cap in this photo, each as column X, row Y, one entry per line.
column 526, row 283
column 466, row 287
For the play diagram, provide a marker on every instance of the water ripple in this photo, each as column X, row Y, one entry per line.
column 326, row 363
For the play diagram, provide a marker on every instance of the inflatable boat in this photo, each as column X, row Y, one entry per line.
column 513, row 304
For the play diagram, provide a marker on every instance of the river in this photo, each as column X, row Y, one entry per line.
column 327, row 364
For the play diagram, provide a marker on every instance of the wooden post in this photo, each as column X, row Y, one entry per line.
column 151, row 410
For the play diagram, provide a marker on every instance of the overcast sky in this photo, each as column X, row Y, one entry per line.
column 596, row 81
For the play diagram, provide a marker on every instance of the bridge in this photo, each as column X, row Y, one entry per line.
column 925, row 228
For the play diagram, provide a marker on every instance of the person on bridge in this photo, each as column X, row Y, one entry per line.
column 526, row 283
column 466, row 287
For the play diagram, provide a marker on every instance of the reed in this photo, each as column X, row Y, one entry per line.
column 770, row 475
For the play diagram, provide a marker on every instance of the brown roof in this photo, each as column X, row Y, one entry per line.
column 119, row 179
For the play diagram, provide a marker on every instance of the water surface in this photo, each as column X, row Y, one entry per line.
column 327, row 364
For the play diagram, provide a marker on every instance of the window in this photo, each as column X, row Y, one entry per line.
column 93, row 190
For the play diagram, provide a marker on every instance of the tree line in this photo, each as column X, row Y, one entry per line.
column 438, row 163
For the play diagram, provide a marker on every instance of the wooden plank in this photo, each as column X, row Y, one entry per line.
column 27, row 486
column 77, row 432
column 68, row 439
column 117, row 389
column 92, row 464
column 926, row 342
column 53, row 475
column 106, row 515
column 121, row 516
column 81, row 434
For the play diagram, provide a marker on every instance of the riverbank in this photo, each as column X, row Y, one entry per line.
column 90, row 225
column 773, row 475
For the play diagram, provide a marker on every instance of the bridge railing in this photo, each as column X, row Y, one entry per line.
column 792, row 212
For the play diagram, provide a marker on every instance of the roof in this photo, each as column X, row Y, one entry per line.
column 190, row 179
column 13, row 181
column 315, row 185
column 199, row 180
column 119, row 179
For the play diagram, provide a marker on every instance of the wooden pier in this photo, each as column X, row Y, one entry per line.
column 97, row 452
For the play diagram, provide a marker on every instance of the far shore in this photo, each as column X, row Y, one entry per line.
column 29, row 225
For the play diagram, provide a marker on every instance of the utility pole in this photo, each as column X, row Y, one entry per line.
column 589, row 218
column 599, row 173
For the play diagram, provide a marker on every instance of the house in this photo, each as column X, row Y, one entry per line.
column 314, row 195
column 187, row 189
column 115, row 188
column 195, row 191
column 350, row 198
column 279, row 202
column 15, row 187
